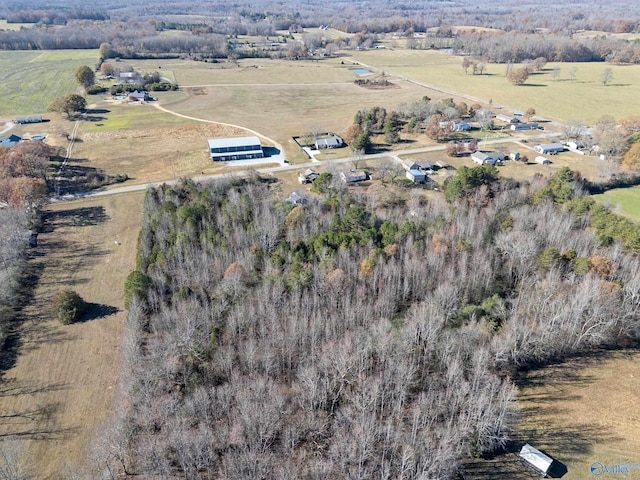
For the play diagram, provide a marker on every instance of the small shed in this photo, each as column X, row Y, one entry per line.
column 542, row 160
column 535, row 459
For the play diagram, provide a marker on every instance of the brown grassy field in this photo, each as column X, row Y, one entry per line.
column 64, row 380
column 583, row 98
column 579, row 412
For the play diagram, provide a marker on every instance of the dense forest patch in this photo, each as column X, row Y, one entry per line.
column 346, row 337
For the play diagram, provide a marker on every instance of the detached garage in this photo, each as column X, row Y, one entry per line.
column 535, row 459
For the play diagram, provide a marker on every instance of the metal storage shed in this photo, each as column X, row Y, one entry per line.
column 536, row 459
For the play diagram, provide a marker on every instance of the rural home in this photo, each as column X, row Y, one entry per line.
column 10, row 141
column 353, row 176
column 416, row 176
column 507, row 118
column 138, row 96
column 535, row 459
column 543, row 160
column 456, row 126
column 329, row 142
column 423, row 165
column 524, row 126
column 483, row 158
column 238, row 148
column 307, row 176
column 129, row 78
column 296, row 199
column 550, row 148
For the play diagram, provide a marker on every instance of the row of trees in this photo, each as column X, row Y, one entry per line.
column 23, row 191
column 517, row 47
column 378, row 17
column 338, row 340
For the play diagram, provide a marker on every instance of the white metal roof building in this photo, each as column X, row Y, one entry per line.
column 536, row 459
column 237, row 148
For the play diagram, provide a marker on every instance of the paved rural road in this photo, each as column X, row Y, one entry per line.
column 394, row 155
column 284, row 168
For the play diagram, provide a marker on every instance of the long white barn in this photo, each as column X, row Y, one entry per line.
column 237, row 148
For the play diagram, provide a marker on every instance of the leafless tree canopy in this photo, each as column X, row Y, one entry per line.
column 332, row 340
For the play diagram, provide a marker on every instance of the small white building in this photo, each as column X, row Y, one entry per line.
column 534, row 458
column 542, row 160
column 507, row 118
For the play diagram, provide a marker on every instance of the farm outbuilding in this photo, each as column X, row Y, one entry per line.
column 535, row 459
column 238, row 148
column 507, row 118
column 29, row 119
column 543, row 160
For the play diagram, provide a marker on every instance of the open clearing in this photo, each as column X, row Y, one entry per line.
column 583, row 98
column 30, row 81
column 625, row 201
column 63, row 383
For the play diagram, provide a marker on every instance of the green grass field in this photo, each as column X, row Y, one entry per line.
column 13, row 26
column 625, row 201
column 31, row 80
column 583, row 98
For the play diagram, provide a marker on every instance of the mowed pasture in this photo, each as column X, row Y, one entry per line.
column 624, row 201
column 563, row 99
column 579, row 412
column 31, row 80
column 279, row 98
column 64, row 381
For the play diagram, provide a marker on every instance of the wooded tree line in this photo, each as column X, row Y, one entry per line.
column 23, row 191
column 345, row 338
column 375, row 16
column 516, row 47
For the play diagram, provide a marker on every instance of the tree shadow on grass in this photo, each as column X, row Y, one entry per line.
column 75, row 217
column 96, row 311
